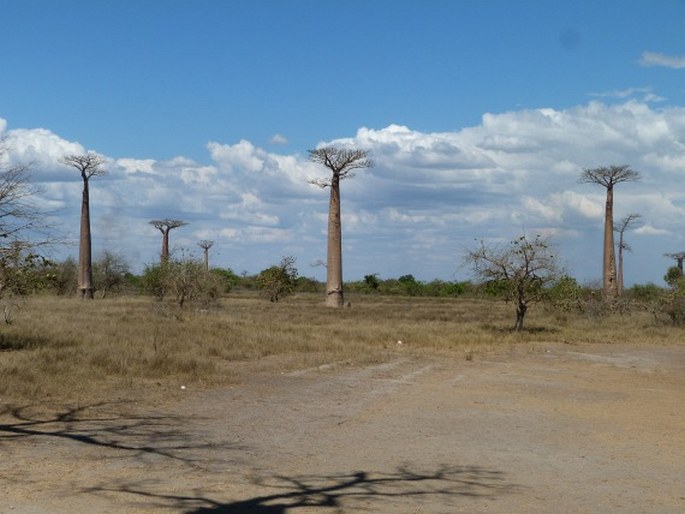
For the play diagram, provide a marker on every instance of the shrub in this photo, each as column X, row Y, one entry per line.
column 227, row 279
column 185, row 279
column 566, row 295
column 279, row 281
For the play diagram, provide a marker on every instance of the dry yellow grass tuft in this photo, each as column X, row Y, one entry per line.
column 70, row 349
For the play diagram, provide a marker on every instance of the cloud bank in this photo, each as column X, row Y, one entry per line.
column 429, row 196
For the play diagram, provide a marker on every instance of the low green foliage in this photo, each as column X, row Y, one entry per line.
column 185, row 280
column 673, row 276
column 227, row 278
column 566, row 295
column 277, row 282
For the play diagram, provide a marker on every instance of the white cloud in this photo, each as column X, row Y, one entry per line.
column 649, row 230
column 39, row 147
column 132, row 166
column 659, row 59
column 278, row 139
column 428, row 197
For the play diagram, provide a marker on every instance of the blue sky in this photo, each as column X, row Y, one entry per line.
column 479, row 114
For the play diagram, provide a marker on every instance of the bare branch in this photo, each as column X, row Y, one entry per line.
column 677, row 256
column 89, row 164
column 164, row 225
column 519, row 271
column 341, row 161
column 608, row 176
column 627, row 222
column 321, row 182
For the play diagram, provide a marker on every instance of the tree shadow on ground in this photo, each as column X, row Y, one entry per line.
column 337, row 491
column 12, row 342
column 102, row 425
column 527, row 329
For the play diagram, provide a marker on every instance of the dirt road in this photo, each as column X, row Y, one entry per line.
column 560, row 428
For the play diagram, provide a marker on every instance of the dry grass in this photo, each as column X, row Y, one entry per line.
column 122, row 347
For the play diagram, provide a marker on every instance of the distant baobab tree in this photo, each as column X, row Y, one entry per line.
column 89, row 165
column 625, row 223
column 608, row 177
column 165, row 226
column 206, row 245
column 679, row 258
column 341, row 162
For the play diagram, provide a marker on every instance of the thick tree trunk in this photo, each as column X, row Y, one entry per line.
column 520, row 314
column 85, row 265
column 334, row 283
column 609, row 268
column 164, row 256
column 206, row 259
column 619, row 278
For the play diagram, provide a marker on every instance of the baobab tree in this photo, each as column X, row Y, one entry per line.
column 679, row 258
column 625, row 223
column 608, row 177
column 165, row 226
column 675, row 273
column 206, row 245
column 341, row 162
column 89, row 165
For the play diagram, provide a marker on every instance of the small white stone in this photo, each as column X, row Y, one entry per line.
column 399, row 342
column 183, row 387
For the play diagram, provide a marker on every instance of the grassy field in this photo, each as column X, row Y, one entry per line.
column 63, row 348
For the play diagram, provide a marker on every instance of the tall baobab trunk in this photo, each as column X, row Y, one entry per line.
column 85, row 254
column 89, row 165
column 334, row 284
column 341, row 162
column 206, row 258
column 608, row 177
column 609, row 268
column 165, row 226
column 164, row 255
column 206, row 245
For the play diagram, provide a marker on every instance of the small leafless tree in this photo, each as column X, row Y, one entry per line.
column 109, row 272
column 165, row 226
column 89, row 165
column 206, row 245
column 519, row 271
column 625, row 223
column 608, row 177
column 341, row 162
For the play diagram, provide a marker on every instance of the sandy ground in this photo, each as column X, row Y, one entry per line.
column 561, row 428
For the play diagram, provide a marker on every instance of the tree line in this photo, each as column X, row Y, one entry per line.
column 522, row 271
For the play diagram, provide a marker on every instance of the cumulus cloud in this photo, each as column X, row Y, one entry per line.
column 39, row 147
column 428, row 197
column 659, row 59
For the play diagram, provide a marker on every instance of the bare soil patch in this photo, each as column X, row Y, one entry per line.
column 554, row 428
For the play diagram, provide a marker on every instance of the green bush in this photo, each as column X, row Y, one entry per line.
column 279, row 281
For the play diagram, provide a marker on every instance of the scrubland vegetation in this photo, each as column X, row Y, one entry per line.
column 142, row 347
column 181, row 322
